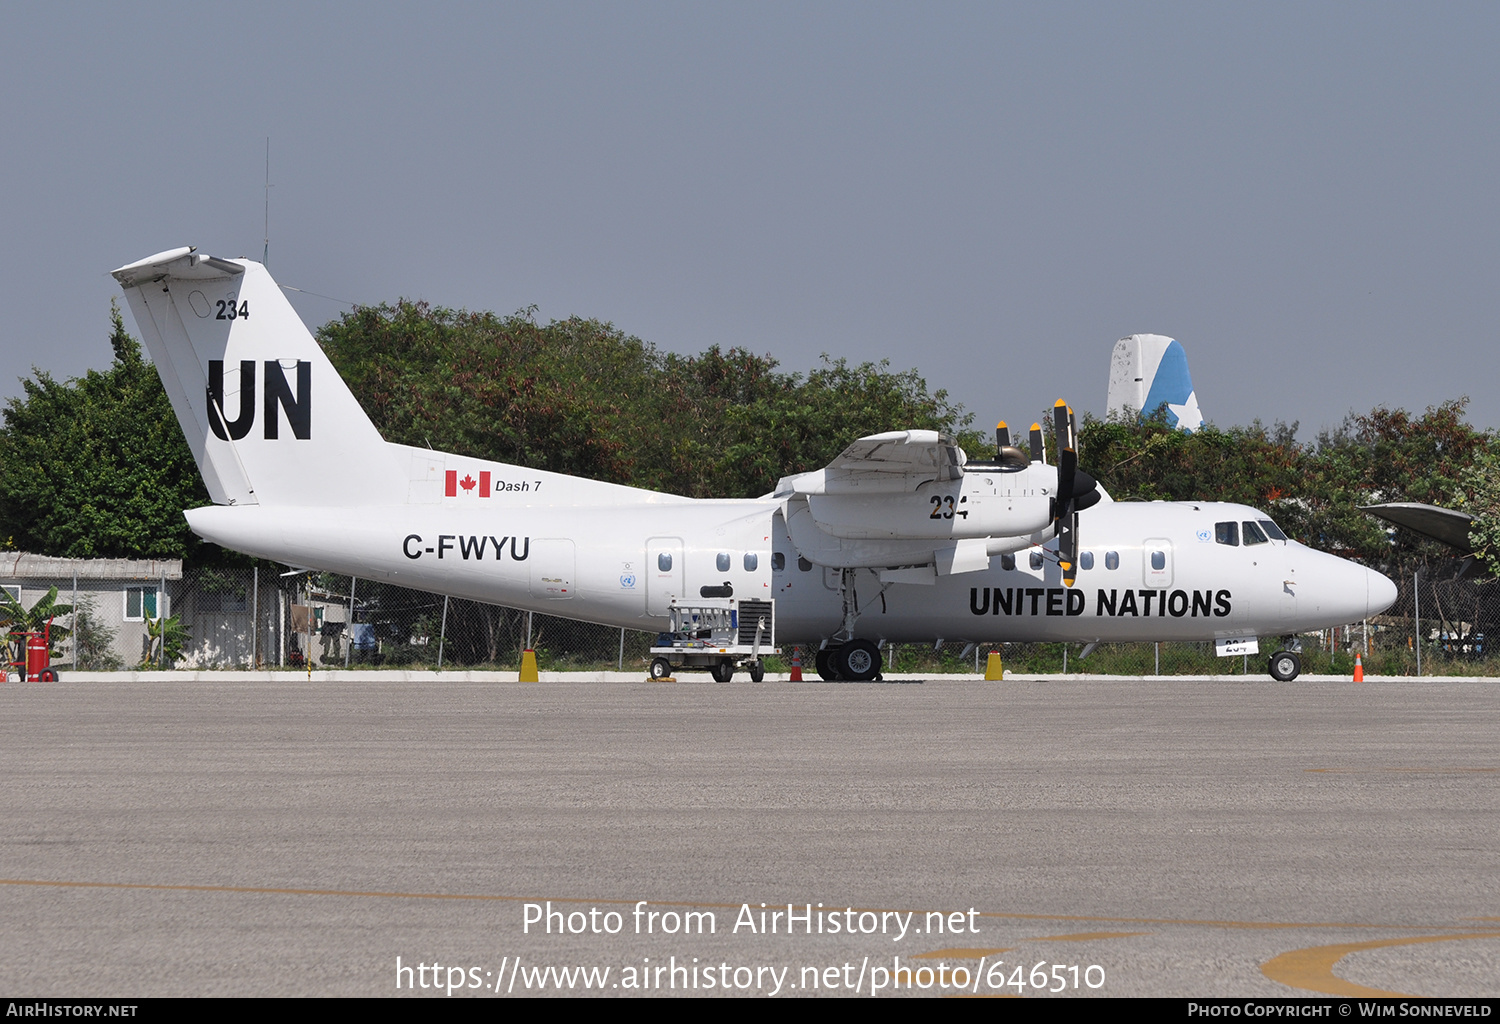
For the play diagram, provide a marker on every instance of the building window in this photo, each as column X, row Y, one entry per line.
column 140, row 603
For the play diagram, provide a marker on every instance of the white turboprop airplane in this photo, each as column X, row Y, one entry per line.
column 901, row 539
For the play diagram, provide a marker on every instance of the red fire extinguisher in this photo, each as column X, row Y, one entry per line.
column 36, row 657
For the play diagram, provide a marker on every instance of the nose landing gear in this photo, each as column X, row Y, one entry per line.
column 1284, row 666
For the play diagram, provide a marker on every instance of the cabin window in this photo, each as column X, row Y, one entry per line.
column 1086, row 560
column 803, row 564
column 664, row 562
column 722, row 561
column 1158, row 560
column 1227, row 533
column 1111, row 559
column 778, row 562
column 1036, row 560
column 1272, row 529
column 752, row 561
column 1008, row 563
column 1253, row 534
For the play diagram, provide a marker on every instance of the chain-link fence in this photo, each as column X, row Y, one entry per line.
column 260, row 617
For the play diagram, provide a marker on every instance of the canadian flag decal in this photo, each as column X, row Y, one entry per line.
column 452, row 483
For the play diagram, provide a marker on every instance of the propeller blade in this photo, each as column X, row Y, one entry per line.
column 1061, row 435
column 1038, row 452
column 1068, row 545
column 1002, row 436
column 1071, row 485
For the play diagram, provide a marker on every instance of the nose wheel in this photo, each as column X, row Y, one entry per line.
column 1284, row 666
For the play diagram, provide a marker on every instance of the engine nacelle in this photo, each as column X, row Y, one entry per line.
column 974, row 505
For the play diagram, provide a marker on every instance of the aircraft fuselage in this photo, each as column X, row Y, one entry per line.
column 1156, row 570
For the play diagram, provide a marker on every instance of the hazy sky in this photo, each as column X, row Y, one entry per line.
column 1303, row 194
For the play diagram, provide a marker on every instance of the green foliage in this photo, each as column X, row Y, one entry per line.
column 582, row 397
column 1312, row 490
column 1391, row 455
column 167, row 631
column 1480, row 497
column 97, row 466
column 93, row 639
column 15, row 618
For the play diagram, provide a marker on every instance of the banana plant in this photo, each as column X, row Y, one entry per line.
column 15, row 618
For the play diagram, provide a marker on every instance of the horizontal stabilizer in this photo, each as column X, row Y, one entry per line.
column 1441, row 524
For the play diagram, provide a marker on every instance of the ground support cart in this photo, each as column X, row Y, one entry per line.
column 717, row 634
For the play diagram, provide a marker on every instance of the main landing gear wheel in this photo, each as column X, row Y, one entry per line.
column 1284, row 666
column 723, row 671
column 859, row 661
column 826, row 663
column 757, row 671
column 661, row 668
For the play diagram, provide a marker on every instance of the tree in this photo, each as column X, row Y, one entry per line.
column 582, row 397
column 93, row 639
column 1480, row 498
column 97, row 466
column 1314, row 491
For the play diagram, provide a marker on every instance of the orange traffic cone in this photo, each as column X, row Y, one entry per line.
column 1359, row 669
column 796, row 676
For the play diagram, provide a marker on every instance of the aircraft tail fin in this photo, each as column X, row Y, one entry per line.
column 267, row 417
column 1149, row 371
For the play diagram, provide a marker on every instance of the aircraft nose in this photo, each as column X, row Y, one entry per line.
column 1380, row 592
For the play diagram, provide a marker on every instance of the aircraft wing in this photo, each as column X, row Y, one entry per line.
column 895, row 462
column 1442, row 524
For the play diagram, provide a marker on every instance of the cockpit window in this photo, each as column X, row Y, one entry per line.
column 1227, row 533
column 1272, row 529
column 1253, row 535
